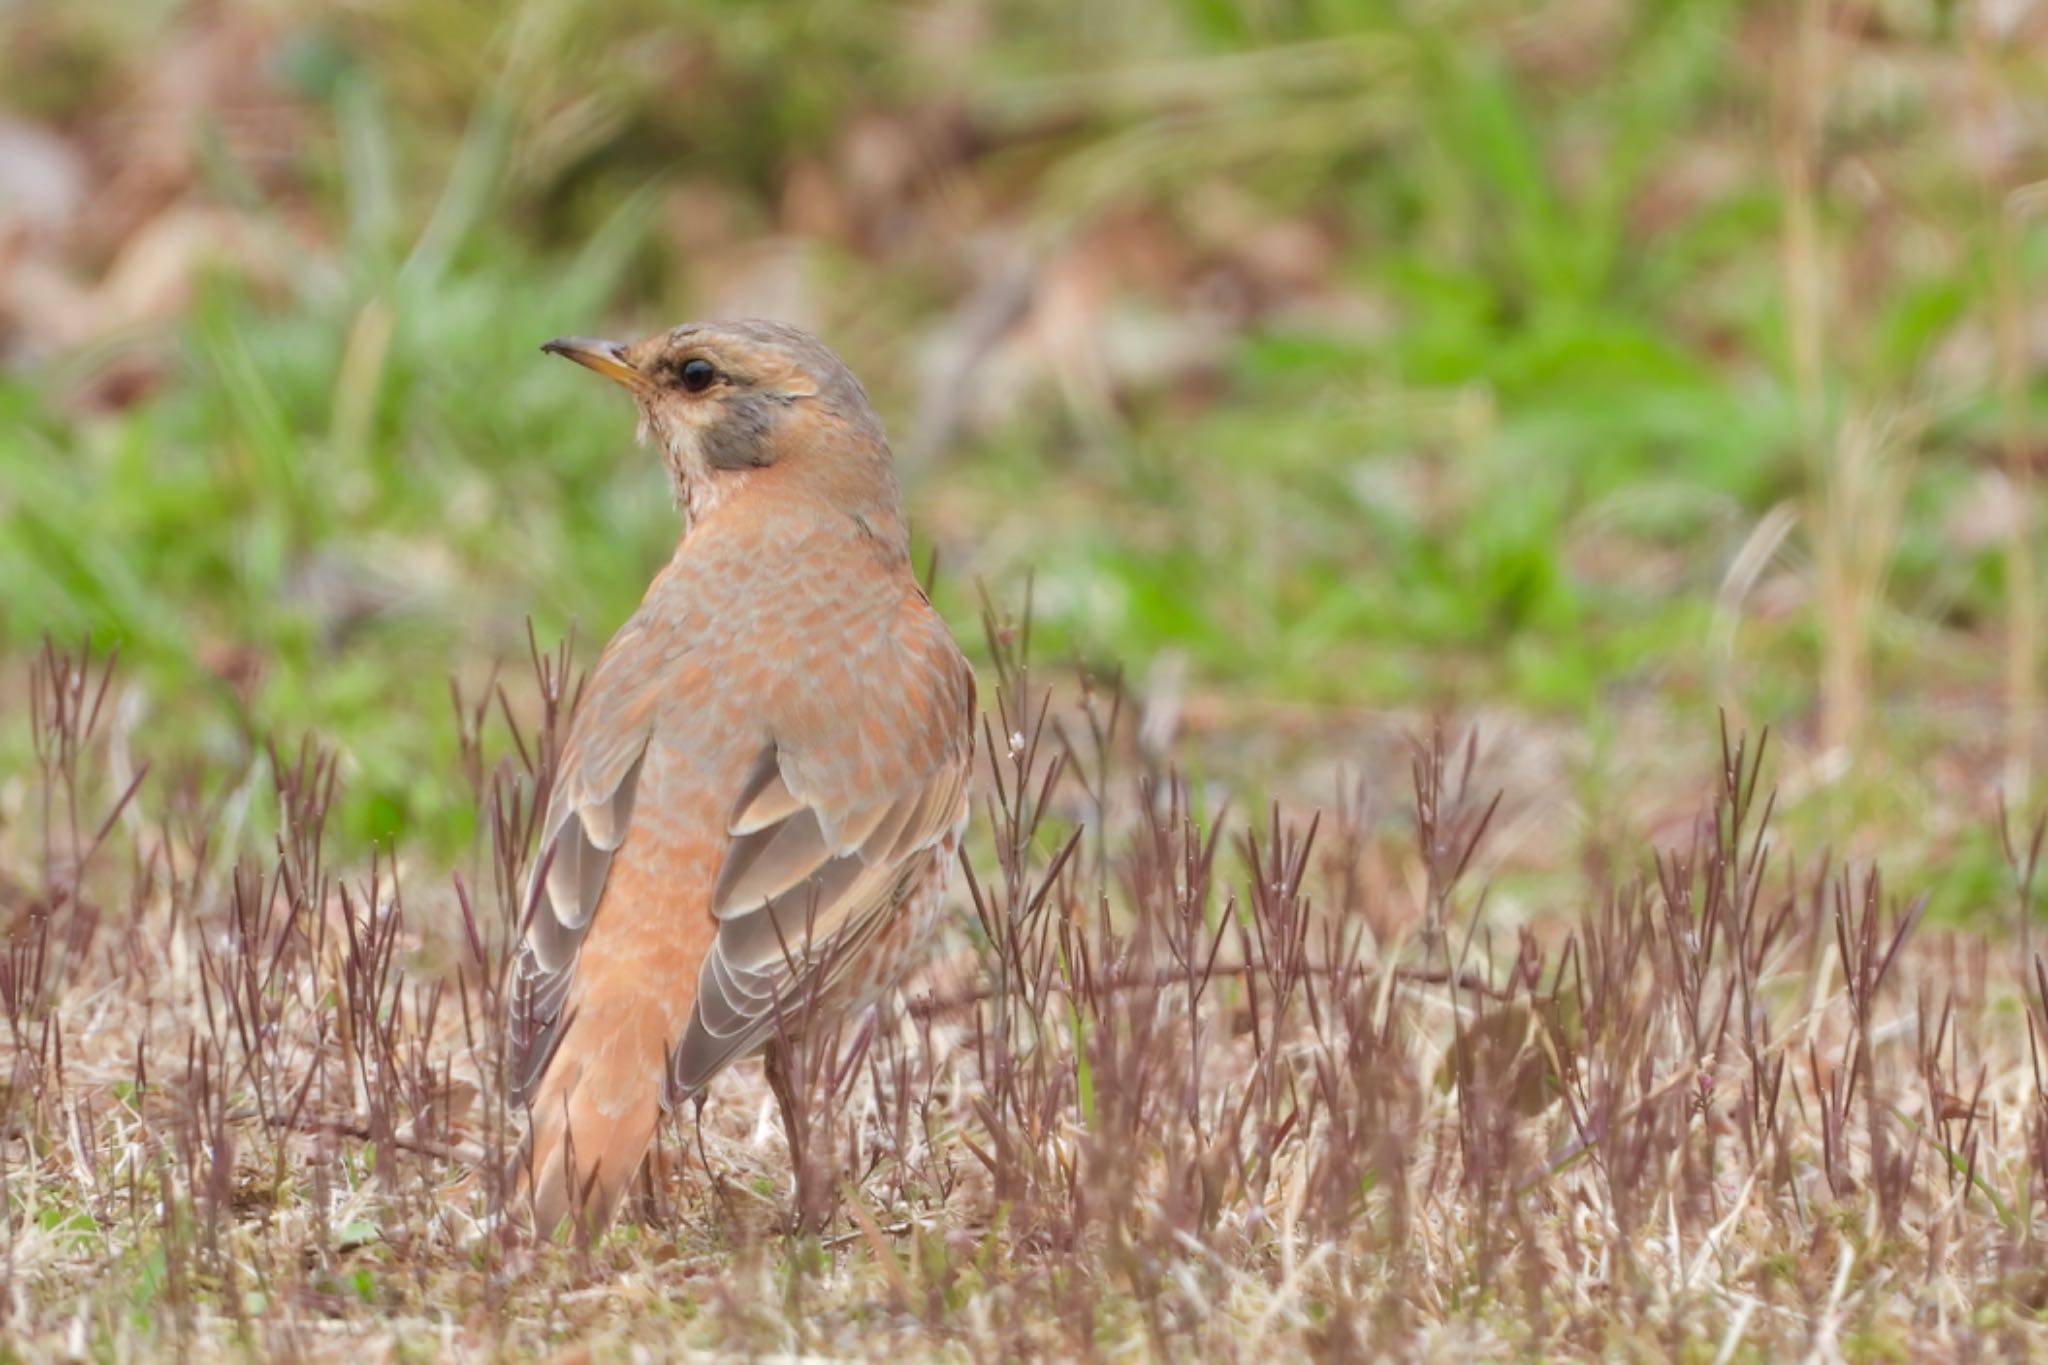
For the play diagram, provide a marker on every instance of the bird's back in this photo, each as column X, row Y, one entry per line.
column 760, row 774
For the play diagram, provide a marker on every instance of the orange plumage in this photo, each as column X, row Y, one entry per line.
column 765, row 781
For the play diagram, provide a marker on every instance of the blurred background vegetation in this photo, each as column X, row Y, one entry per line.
column 1583, row 366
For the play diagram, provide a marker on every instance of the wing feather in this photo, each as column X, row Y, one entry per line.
column 766, row 800
column 770, row 863
column 587, row 820
column 829, row 828
column 823, row 855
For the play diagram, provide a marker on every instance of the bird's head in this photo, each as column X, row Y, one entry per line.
column 751, row 403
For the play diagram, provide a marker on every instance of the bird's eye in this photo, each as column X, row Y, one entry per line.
column 697, row 374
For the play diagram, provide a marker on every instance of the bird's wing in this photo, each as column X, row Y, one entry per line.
column 587, row 818
column 865, row 772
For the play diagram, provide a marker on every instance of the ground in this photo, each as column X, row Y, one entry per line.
column 1612, row 384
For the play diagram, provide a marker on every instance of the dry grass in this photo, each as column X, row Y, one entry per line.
column 1189, row 1082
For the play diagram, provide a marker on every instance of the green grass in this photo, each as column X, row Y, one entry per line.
column 1385, row 513
column 1502, row 452
column 1381, row 359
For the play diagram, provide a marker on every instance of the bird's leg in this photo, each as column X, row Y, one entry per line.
column 711, row 1172
column 781, row 1065
column 652, row 1205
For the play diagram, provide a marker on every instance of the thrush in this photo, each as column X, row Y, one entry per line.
column 764, row 781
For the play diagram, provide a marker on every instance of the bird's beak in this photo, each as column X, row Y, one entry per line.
column 608, row 358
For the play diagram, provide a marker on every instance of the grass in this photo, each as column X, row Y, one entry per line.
column 1179, row 1082
column 1364, row 360
column 1316, row 370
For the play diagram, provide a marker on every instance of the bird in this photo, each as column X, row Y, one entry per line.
column 764, row 782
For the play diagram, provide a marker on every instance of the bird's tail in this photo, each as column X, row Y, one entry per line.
column 592, row 1117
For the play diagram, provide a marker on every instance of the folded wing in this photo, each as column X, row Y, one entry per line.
column 588, row 817
column 832, row 826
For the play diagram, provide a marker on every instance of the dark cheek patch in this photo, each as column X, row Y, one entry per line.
column 740, row 438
